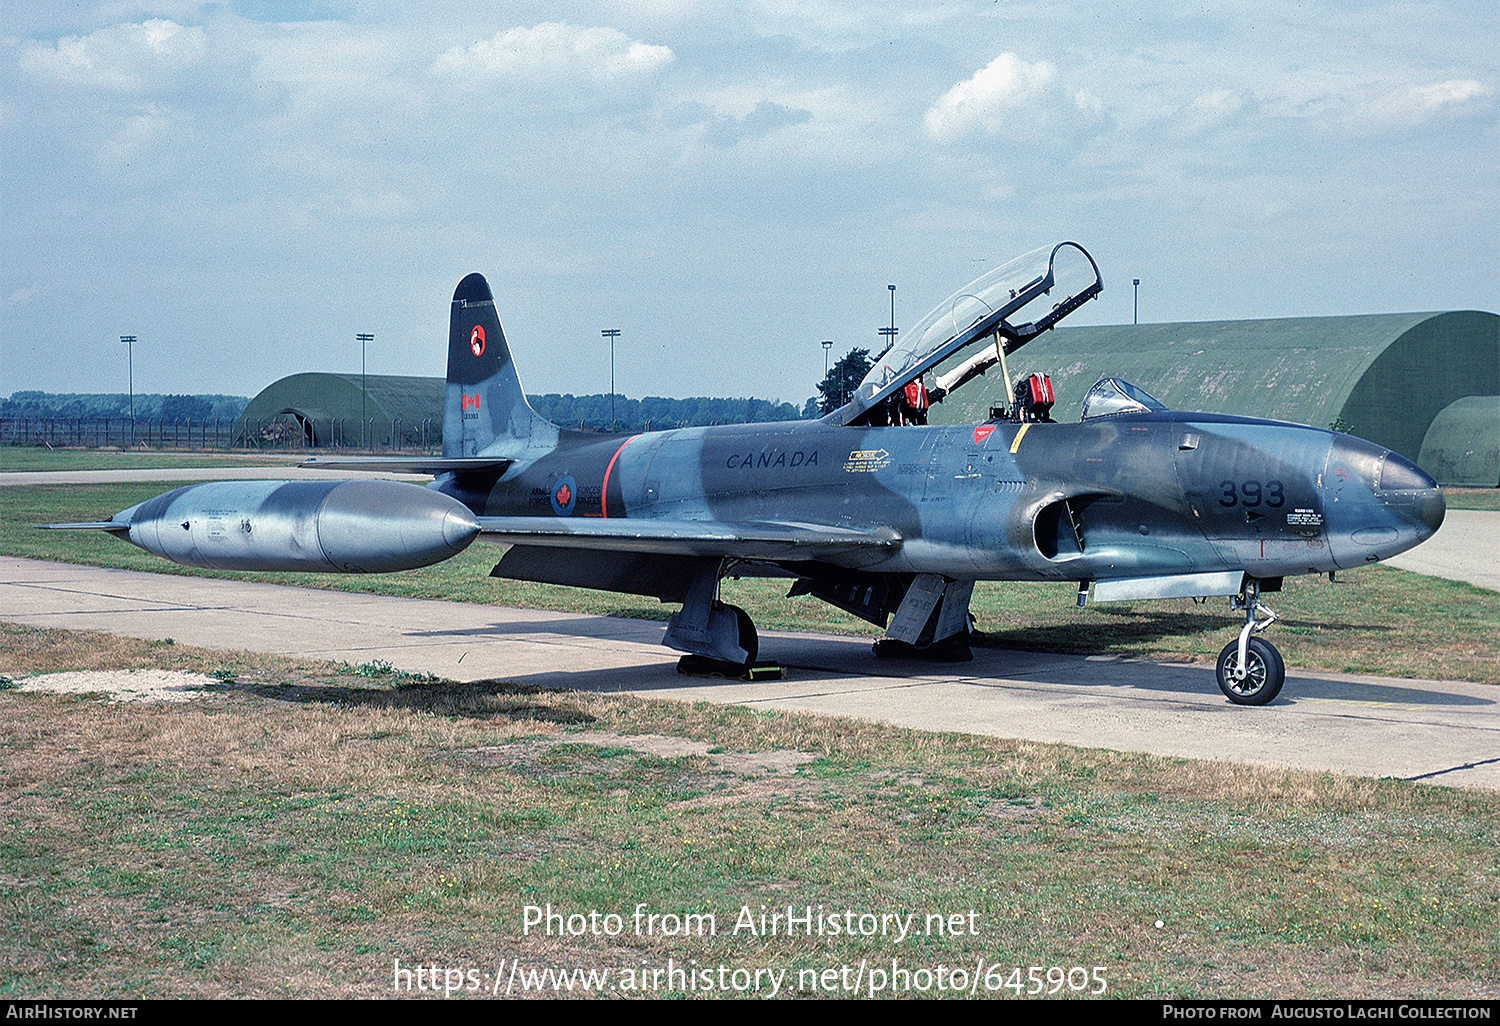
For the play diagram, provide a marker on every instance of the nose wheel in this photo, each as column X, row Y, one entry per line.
column 1250, row 670
column 1263, row 674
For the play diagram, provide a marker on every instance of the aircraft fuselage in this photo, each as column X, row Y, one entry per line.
column 1140, row 495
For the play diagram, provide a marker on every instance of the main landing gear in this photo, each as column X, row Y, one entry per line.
column 719, row 638
column 931, row 623
column 1250, row 669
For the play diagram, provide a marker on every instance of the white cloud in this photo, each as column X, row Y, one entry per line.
column 1452, row 92
column 122, row 58
column 1416, row 105
column 554, row 53
column 990, row 101
column 1211, row 110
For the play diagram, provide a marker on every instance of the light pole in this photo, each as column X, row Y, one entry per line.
column 129, row 341
column 364, row 390
column 611, row 334
column 1136, row 316
column 827, row 346
column 890, row 333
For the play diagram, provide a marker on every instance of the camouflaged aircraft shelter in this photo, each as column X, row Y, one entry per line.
column 322, row 410
column 1423, row 384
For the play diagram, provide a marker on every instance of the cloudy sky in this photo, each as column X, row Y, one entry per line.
column 246, row 185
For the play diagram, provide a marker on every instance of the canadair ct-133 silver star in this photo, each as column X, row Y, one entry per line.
column 867, row 508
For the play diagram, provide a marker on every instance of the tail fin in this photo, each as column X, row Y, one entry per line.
column 485, row 411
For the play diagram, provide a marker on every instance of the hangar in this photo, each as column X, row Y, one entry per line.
column 1423, row 384
column 320, row 410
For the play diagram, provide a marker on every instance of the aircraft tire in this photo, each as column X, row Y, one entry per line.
column 949, row 650
column 1262, row 683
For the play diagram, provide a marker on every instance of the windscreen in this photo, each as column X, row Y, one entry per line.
column 1113, row 396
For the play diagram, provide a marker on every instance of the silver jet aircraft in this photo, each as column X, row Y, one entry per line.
column 894, row 524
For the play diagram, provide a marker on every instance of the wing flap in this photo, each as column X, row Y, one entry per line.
column 666, row 577
column 738, row 539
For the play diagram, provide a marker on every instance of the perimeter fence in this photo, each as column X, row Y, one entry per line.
column 274, row 434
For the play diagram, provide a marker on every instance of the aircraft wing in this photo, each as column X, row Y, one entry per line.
column 410, row 464
column 740, row 539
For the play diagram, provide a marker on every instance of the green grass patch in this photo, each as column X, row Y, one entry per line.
column 1472, row 498
column 37, row 458
column 298, row 830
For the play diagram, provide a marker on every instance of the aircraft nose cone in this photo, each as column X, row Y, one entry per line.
column 1380, row 502
column 1411, row 491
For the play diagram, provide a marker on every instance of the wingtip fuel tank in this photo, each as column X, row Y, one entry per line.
column 358, row 526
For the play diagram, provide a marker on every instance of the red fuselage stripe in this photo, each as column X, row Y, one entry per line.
column 604, row 491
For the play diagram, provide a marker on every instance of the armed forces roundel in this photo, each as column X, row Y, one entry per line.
column 564, row 496
column 476, row 340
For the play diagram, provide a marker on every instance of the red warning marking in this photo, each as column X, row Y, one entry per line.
column 983, row 431
column 604, row 489
column 476, row 340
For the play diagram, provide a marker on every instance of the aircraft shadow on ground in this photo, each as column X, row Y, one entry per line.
column 811, row 662
column 480, row 699
column 645, row 631
column 1119, row 629
column 1011, row 655
column 1373, row 694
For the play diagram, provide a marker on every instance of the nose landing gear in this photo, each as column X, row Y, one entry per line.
column 1250, row 670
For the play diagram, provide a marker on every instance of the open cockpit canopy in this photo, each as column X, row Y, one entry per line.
column 984, row 310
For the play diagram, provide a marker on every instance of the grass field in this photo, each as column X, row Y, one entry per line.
column 22, row 458
column 301, row 828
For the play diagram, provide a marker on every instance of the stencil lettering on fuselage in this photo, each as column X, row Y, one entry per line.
column 772, row 459
column 867, row 461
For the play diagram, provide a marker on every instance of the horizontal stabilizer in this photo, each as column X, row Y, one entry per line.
column 411, row 464
column 743, row 540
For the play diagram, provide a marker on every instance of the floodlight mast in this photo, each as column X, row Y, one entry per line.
column 129, row 342
column 364, row 390
column 611, row 334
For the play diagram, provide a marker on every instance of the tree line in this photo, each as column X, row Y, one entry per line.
column 588, row 412
column 148, row 406
column 657, row 413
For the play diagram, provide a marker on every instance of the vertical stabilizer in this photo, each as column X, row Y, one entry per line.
column 485, row 412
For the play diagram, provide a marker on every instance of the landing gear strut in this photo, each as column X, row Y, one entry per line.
column 720, row 639
column 931, row 623
column 1250, row 669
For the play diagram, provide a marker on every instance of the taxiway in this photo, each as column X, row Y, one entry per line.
column 1437, row 731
